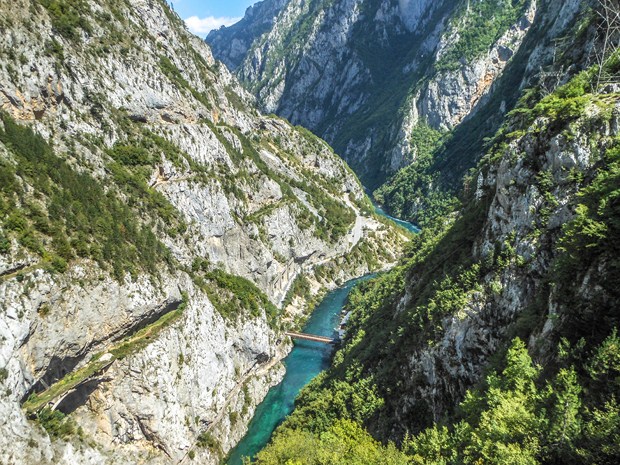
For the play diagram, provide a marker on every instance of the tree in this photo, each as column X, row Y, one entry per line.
column 601, row 439
column 505, row 418
column 608, row 35
column 565, row 417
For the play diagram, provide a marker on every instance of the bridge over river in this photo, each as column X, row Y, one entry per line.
column 310, row 337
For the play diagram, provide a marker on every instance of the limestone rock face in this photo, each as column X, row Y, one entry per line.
column 451, row 96
column 520, row 218
column 413, row 13
column 258, row 19
column 251, row 192
column 362, row 73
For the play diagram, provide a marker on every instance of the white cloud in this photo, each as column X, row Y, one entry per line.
column 202, row 26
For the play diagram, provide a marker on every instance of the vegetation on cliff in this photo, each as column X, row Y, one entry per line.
column 61, row 214
column 477, row 25
column 412, row 192
column 532, row 406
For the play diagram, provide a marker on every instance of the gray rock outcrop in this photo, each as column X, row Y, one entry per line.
column 120, row 74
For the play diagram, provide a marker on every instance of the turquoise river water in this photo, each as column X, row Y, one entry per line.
column 408, row 226
column 306, row 360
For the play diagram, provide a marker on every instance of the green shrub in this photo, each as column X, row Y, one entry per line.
column 44, row 310
column 54, row 49
column 131, row 155
column 58, row 264
column 68, row 17
column 561, row 107
column 56, row 423
column 343, row 442
column 299, row 288
column 5, row 244
column 17, row 222
column 208, row 441
column 29, row 240
column 76, row 214
column 233, row 295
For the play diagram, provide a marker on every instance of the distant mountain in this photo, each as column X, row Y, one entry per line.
column 367, row 74
column 234, row 44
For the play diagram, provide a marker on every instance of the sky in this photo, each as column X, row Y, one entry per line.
column 203, row 15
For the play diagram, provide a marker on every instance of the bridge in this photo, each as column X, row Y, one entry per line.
column 310, row 337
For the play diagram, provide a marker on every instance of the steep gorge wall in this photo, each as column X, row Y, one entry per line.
column 364, row 74
column 495, row 340
column 444, row 158
column 131, row 105
column 524, row 197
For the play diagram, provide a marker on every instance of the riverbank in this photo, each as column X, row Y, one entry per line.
column 306, row 360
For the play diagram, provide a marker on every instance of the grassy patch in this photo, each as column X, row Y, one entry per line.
column 74, row 215
column 37, row 401
column 57, row 424
column 125, row 348
column 145, row 336
column 207, row 441
column 68, row 17
column 234, row 296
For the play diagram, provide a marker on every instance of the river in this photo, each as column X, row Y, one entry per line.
column 306, row 360
column 405, row 224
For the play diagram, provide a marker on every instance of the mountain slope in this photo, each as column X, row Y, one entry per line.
column 428, row 186
column 364, row 73
column 496, row 340
column 151, row 224
column 233, row 45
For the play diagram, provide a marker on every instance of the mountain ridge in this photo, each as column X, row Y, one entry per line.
column 490, row 342
column 150, row 217
column 374, row 78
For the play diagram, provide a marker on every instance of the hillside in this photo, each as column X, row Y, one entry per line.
column 152, row 223
column 365, row 74
column 161, row 236
column 394, row 84
column 496, row 339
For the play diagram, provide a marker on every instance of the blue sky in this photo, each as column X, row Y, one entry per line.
column 203, row 15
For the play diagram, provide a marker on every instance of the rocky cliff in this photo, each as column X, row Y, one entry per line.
column 151, row 224
column 233, row 46
column 496, row 339
column 443, row 156
column 364, row 73
column 510, row 277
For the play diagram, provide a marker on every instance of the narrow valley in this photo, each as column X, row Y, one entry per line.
column 361, row 232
